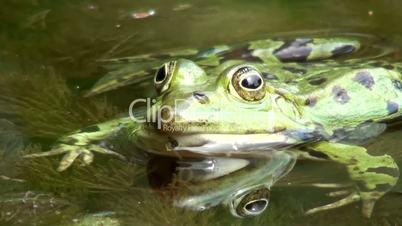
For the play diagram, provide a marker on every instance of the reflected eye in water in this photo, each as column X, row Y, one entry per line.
column 251, row 203
column 256, row 206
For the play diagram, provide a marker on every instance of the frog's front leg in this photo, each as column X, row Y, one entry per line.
column 374, row 175
column 84, row 142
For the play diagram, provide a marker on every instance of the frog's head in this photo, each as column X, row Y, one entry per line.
column 207, row 111
column 231, row 100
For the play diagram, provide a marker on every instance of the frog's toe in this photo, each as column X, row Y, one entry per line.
column 367, row 207
column 351, row 198
column 87, row 158
column 68, row 159
column 72, row 152
column 105, row 151
column 85, row 154
column 56, row 151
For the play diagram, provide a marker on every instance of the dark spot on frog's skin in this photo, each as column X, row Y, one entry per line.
column 269, row 76
column 383, row 187
column 201, row 97
column 296, row 42
column 311, row 101
column 392, row 107
column 316, row 81
column 295, row 50
column 90, row 129
column 242, row 53
column 397, row 84
column 356, row 168
column 317, row 154
column 389, row 66
column 394, row 172
column 343, row 50
column 340, row 95
column 300, row 71
column 365, row 79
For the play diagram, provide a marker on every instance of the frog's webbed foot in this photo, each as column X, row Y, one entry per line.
column 373, row 176
column 351, row 198
column 85, row 142
column 72, row 152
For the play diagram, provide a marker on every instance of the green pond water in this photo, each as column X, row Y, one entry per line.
column 48, row 57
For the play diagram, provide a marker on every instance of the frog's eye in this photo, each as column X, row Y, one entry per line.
column 247, row 83
column 251, row 204
column 163, row 76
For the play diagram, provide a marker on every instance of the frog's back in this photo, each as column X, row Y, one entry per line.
column 348, row 97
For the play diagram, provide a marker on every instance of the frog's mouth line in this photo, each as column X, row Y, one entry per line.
column 231, row 143
column 215, row 144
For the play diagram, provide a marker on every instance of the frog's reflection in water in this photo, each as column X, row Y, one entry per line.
column 241, row 184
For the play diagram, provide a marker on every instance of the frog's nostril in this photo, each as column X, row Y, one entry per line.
column 171, row 144
column 201, row 97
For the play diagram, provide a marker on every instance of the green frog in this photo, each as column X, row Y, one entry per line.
column 302, row 96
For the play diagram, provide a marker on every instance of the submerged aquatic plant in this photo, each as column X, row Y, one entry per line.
column 43, row 106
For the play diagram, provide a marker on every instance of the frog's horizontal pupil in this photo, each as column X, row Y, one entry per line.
column 256, row 206
column 251, row 82
column 160, row 74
